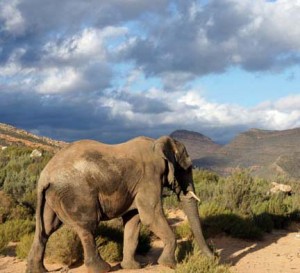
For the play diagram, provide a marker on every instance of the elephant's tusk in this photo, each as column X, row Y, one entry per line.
column 193, row 195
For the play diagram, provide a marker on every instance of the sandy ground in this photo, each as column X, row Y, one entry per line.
column 277, row 252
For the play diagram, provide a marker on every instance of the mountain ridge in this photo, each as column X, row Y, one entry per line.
column 10, row 135
column 259, row 150
column 267, row 153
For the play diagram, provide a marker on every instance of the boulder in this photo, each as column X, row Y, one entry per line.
column 277, row 187
column 35, row 153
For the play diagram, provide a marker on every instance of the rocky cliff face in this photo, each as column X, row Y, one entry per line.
column 10, row 135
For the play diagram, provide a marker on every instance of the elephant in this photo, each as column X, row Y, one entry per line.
column 89, row 181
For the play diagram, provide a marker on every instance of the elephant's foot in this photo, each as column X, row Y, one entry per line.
column 35, row 268
column 98, row 267
column 131, row 264
column 167, row 261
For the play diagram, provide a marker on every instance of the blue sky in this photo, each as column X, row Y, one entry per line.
column 112, row 70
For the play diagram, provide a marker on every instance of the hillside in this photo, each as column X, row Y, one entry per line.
column 197, row 145
column 267, row 153
column 10, row 135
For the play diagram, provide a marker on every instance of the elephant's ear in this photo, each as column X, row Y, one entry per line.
column 166, row 147
column 182, row 157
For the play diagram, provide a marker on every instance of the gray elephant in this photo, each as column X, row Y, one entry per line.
column 89, row 181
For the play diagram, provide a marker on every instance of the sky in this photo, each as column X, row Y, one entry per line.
column 113, row 70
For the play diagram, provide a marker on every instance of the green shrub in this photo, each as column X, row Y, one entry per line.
column 14, row 230
column 110, row 241
column 3, row 240
column 197, row 263
column 237, row 192
column 24, row 246
column 64, row 247
column 233, row 225
column 170, row 201
column 6, row 205
column 211, row 209
column 183, row 250
column 19, row 172
column 110, row 251
column 183, row 231
column 264, row 221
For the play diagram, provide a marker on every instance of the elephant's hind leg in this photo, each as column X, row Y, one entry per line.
column 131, row 233
column 82, row 215
column 49, row 224
column 92, row 259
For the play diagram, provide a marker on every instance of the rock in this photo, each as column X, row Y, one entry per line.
column 277, row 187
column 35, row 153
column 3, row 148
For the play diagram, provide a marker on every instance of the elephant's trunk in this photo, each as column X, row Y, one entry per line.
column 189, row 205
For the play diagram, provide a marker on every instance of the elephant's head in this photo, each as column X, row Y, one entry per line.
column 179, row 178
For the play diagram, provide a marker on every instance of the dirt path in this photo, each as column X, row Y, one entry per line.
column 278, row 252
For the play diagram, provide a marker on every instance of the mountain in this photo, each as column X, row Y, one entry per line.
column 197, row 145
column 267, row 153
column 10, row 135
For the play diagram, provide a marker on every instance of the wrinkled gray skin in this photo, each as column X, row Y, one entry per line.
column 88, row 182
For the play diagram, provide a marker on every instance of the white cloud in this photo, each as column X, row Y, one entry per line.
column 74, row 49
column 88, row 45
column 13, row 19
column 59, row 81
column 190, row 110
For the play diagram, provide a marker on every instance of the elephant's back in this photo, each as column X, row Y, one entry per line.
column 86, row 158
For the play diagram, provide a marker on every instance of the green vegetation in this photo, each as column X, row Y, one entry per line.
column 64, row 246
column 241, row 205
column 18, row 177
column 194, row 262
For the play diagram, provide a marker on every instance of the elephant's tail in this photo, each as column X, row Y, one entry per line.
column 41, row 199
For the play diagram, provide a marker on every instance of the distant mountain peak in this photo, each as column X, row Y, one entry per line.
column 268, row 152
column 197, row 144
column 189, row 134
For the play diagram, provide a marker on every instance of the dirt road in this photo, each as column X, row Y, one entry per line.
column 279, row 252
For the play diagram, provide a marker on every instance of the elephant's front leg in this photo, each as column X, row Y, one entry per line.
column 151, row 215
column 131, row 233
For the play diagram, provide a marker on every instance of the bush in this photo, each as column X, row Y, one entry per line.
column 6, row 205
column 24, row 246
column 237, row 192
column 110, row 241
column 197, row 263
column 233, row 225
column 211, row 209
column 3, row 240
column 183, row 250
column 264, row 221
column 109, row 250
column 14, row 230
column 19, row 172
column 183, row 231
column 64, row 247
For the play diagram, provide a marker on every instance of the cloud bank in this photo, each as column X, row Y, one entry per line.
column 117, row 69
